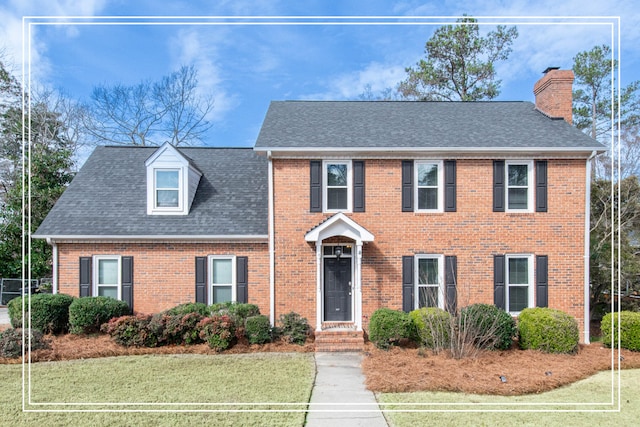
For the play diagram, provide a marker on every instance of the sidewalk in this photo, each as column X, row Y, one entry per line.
column 339, row 396
column 4, row 316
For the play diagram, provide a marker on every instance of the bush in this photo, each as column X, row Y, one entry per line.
column 11, row 342
column 629, row 330
column 432, row 326
column 131, row 331
column 387, row 327
column 258, row 329
column 49, row 312
column 293, row 328
column 86, row 314
column 548, row 330
column 239, row 311
column 486, row 326
column 189, row 307
column 217, row 331
column 176, row 329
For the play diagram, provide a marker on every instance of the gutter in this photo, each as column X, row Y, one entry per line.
column 272, row 288
column 587, row 248
column 124, row 238
column 54, row 256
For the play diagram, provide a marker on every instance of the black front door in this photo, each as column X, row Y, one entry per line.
column 337, row 289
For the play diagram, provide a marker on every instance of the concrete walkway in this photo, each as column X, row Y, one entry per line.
column 4, row 316
column 339, row 396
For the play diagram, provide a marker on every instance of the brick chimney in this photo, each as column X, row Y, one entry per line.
column 553, row 93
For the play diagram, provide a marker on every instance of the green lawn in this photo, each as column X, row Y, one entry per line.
column 596, row 389
column 179, row 380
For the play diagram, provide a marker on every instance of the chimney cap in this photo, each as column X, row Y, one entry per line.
column 550, row 69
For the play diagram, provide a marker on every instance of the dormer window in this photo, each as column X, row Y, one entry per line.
column 172, row 181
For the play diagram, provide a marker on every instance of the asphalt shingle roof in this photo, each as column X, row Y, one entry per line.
column 398, row 124
column 108, row 196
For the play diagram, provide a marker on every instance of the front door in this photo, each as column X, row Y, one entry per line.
column 337, row 289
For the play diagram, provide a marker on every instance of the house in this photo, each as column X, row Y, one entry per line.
column 342, row 208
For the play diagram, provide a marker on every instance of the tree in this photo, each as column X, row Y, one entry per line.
column 459, row 64
column 150, row 113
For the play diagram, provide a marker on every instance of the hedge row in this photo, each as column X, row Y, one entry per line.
column 628, row 322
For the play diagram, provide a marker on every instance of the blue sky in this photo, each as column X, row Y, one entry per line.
column 244, row 67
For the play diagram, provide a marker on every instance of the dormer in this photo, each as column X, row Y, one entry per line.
column 172, row 180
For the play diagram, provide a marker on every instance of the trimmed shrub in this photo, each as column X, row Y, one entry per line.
column 217, row 331
column 387, row 327
column 49, row 312
column 86, row 314
column 189, row 307
column 11, row 342
column 131, row 331
column 548, row 330
column 239, row 311
column 293, row 328
column 432, row 326
column 487, row 326
column 176, row 329
column 629, row 330
column 258, row 329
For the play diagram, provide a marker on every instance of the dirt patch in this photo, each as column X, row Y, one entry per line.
column 525, row 371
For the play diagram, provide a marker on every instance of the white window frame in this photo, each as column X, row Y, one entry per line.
column 180, row 190
column 96, row 273
column 530, row 184
column 416, row 281
column 530, row 278
column 325, row 187
column 210, row 283
column 440, row 187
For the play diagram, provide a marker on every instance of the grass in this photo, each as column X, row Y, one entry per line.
column 157, row 380
column 595, row 391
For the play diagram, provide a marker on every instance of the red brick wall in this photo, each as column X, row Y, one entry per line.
column 164, row 273
column 474, row 234
column 554, row 94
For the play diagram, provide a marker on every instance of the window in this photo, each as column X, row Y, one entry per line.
column 222, row 279
column 108, row 279
column 167, row 188
column 519, row 282
column 337, row 186
column 519, row 179
column 428, row 186
column 429, row 281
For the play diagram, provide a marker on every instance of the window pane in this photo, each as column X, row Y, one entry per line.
column 108, row 272
column 337, row 175
column 108, row 291
column 427, row 198
column 167, row 179
column 336, row 198
column 518, row 271
column 167, row 198
column 222, row 271
column 221, row 294
column 427, row 296
column 427, row 174
column 517, row 198
column 518, row 298
column 428, row 271
column 518, row 175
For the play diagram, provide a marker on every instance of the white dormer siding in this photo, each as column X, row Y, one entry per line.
column 171, row 182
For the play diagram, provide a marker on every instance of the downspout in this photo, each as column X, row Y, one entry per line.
column 587, row 249
column 272, row 288
column 54, row 262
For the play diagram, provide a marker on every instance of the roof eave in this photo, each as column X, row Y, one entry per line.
column 128, row 238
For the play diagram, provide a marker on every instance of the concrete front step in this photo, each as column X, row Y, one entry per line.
column 339, row 340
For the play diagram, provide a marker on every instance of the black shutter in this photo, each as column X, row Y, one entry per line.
column 541, row 186
column 127, row 281
column 498, row 185
column 449, row 185
column 542, row 288
column 242, row 279
column 407, row 283
column 407, row 186
column 85, row 277
column 498, row 281
column 201, row 279
column 450, row 279
column 316, row 186
column 358, row 186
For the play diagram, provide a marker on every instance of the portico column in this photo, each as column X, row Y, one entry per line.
column 358, row 286
column 319, row 286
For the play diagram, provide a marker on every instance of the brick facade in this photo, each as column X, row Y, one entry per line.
column 554, row 94
column 474, row 233
column 164, row 273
